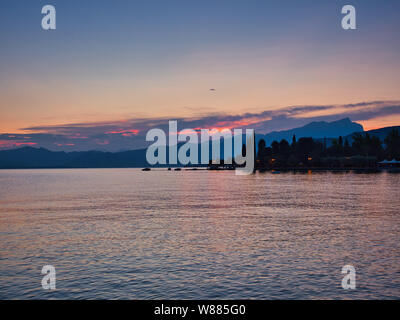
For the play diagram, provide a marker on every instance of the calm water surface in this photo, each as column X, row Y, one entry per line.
column 128, row 234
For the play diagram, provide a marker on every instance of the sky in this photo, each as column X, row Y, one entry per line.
column 113, row 69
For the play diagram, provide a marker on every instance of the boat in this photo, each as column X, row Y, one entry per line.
column 177, row 169
column 146, row 169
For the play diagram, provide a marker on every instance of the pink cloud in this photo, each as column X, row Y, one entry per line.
column 65, row 144
column 77, row 136
column 125, row 133
column 11, row 144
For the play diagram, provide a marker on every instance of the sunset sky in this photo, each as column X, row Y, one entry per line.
column 120, row 67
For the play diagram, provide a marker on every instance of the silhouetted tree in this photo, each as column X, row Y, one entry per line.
column 358, row 144
column 262, row 155
column 367, row 145
column 392, row 142
column 261, row 145
column 375, row 147
column 347, row 148
column 337, row 148
column 275, row 147
column 305, row 147
column 284, row 148
column 294, row 141
column 340, row 141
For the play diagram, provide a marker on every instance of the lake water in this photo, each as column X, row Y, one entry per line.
column 128, row 234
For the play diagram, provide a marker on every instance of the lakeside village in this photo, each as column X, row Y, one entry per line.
column 366, row 153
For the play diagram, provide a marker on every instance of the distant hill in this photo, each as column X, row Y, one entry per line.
column 29, row 157
column 316, row 130
column 380, row 133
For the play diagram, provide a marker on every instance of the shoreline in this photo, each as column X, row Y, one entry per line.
column 260, row 170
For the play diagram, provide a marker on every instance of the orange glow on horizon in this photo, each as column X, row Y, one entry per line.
column 377, row 123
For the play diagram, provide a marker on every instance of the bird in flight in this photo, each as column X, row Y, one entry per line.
column 212, row 89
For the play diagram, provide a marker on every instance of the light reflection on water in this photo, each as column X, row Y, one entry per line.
column 128, row 234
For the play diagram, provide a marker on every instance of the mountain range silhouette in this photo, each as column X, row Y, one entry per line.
column 31, row 157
